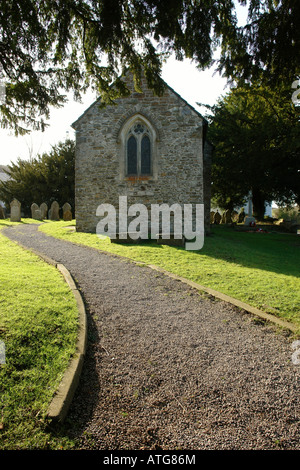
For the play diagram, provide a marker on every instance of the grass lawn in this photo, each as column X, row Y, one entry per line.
column 38, row 327
column 261, row 269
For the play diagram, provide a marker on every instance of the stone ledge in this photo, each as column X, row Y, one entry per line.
column 172, row 239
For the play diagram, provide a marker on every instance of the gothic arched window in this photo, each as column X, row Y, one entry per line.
column 138, row 150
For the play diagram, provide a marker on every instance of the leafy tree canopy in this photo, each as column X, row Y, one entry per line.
column 48, row 177
column 50, row 47
column 256, row 133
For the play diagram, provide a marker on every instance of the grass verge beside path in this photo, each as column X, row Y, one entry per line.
column 261, row 269
column 38, row 328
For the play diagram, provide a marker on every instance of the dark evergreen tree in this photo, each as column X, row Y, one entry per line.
column 46, row 178
column 256, row 133
column 49, row 47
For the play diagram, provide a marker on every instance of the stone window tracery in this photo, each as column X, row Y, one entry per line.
column 139, row 152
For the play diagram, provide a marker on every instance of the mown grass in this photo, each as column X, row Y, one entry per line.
column 38, row 327
column 261, row 269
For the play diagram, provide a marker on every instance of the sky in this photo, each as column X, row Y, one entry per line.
column 191, row 84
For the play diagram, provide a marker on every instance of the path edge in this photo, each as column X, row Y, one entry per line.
column 64, row 394
column 62, row 399
column 226, row 298
column 219, row 295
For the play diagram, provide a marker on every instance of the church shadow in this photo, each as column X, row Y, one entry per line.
column 267, row 251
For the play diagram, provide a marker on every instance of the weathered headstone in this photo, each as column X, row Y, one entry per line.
column 250, row 221
column 67, row 215
column 2, row 214
column 38, row 214
column 67, row 211
column 212, row 214
column 35, row 212
column 217, row 218
column 44, row 210
column 54, row 211
column 15, row 211
column 66, row 207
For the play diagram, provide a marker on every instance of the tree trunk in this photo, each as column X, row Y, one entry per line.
column 258, row 202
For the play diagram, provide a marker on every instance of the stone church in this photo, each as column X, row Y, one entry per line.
column 152, row 149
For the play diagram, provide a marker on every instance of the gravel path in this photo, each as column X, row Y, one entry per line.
column 168, row 368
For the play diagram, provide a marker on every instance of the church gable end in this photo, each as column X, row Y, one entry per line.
column 146, row 147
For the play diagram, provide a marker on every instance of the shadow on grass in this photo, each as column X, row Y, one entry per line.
column 274, row 252
column 8, row 223
column 268, row 251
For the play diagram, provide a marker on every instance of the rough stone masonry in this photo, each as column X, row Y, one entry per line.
column 180, row 156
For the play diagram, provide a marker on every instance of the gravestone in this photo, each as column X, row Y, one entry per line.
column 35, row 212
column 67, row 211
column 212, row 214
column 67, row 215
column 44, row 210
column 66, row 207
column 217, row 218
column 2, row 214
column 38, row 214
column 250, row 221
column 15, row 211
column 228, row 219
column 54, row 211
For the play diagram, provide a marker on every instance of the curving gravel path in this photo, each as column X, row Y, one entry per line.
column 168, row 368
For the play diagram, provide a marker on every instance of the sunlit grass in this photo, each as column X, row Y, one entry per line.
column 38, row 327
column 261, row 269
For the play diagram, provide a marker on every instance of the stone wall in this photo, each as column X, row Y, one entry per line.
column 100, row 154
